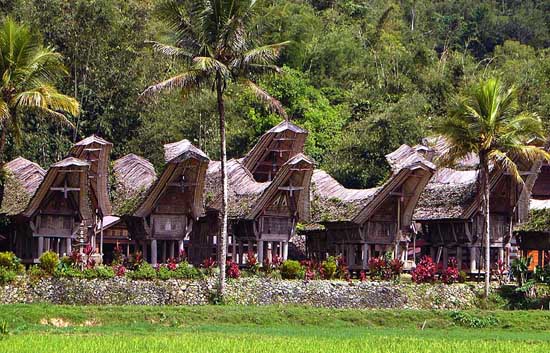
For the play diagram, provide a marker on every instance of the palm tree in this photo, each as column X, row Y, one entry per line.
column 212, row 39
column 486, row 121
column 28, row 71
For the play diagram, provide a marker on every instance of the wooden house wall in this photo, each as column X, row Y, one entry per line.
column 202, row 242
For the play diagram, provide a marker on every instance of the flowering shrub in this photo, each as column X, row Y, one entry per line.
column 208, row 265
column 172, row 264
column 49, row 261
column 120, row 270
column 501, row 271
column 342, row 272
column 450, row 274
column 311, row 268
column 363, row 276
column 118, row 258
column 425, row 271
column 232, row 269
column 251, row 260
column 385, row 268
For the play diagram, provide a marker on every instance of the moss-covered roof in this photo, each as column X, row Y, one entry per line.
column 22, row 178
column 539, row 220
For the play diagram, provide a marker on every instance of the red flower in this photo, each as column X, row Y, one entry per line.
column 425, row 271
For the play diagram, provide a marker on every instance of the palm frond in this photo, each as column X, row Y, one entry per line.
column 4, row 111
column 169, row 50
column 190, row 79
column 210, row 65
column 263, row 55
column 274, row 104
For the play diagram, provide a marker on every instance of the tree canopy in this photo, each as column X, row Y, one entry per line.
column 362, row 76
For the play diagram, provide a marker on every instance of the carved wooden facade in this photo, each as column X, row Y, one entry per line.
column 449, row 213
column 163, row 221
column 364, row 223
column 55, row 212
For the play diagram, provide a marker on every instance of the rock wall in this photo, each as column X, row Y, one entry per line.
column 245, row 291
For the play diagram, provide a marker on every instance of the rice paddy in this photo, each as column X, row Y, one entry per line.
column 47, row 328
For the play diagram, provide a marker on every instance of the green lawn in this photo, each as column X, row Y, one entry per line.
column 49, row 328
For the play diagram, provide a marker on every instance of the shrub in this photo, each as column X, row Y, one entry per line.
column 186, row 271
column 232, row 270
column 49, row 262
column 7, row 275
column 143, row 271
column 462, row 277
column 104, row 272
column 329, row 268
column 425, row 271
column 9, row 261
column 35, row 272
column 164, row 273
column 290, row 269
column 385, row 268
column 68, row 271
column 450, row 274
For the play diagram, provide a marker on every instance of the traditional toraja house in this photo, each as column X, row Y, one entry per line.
column 449, row 209
column 533, row 236
column 131, row 178
column 164, row 216
column 268, row 196
column 364, row 223
column 52, row 216
column 23, row 178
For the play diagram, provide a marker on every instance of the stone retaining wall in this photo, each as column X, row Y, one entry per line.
column 245, row 291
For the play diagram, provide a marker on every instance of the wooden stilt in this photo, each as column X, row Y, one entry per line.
column 154, row 252
column 260, row 252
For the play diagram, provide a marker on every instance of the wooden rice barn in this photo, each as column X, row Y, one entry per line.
column 449, row 210
column 363, row 223
column 54, row 205
column 268, row 196
column 163, row 218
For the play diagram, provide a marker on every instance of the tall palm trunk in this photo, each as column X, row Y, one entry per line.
column 222, row 241
column 486, row 184
column 4, row 127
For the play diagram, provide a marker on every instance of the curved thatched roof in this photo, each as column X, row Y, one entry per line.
column 133, row 176
column 186, row 166
column 23, row 178
column 332, row 202
column 247, row 197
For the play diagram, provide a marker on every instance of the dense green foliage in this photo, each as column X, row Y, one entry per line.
column 362, row 76
column 54, row 328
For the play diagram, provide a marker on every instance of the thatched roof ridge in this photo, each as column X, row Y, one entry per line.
column 28, row 173
column 182, row 149
column 132, row 176
column 244, row 191
column 90, row 140
column 70, row 162
column 438, row 146
column 407, row 157
column 332, row 202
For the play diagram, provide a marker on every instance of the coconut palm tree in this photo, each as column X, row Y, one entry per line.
column 486, row 121
column 28, row 71
column 212, row 39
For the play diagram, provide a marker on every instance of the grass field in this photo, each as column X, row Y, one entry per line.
column 48, row 328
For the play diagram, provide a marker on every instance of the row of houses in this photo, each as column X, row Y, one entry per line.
column 279, row 205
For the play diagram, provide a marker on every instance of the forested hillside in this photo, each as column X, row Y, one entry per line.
column 362, row 76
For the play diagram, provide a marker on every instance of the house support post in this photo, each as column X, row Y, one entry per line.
column 40, row 247
column 285, row 250
column 445, row 257
column 241, row 253
column 365, row 263
column 234, row 249
column 69, row 246
column 459, row 257
column 473, row 254
column 260, row 251
column 171, row 249
column 144, row 247
column 153, row 251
